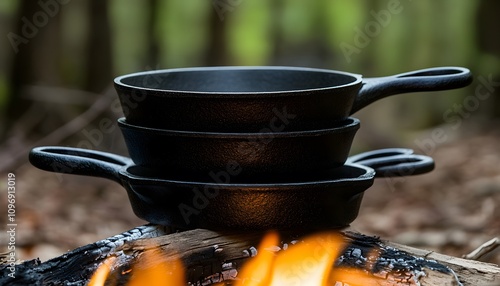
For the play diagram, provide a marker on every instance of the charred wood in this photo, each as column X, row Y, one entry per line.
column 212, row 257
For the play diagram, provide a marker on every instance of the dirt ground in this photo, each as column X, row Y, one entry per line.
column 452, row 210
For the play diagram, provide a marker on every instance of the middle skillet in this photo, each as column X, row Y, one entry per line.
column 257, row 154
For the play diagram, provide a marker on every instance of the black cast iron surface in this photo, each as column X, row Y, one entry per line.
column 314, row 201
column 249, row 99
column 255, row 154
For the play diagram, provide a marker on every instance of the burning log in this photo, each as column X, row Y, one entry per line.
column 211, row 257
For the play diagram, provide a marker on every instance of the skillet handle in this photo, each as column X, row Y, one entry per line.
column 79, row 161
column 431, row 79
column 394, row 162
column 377, row 154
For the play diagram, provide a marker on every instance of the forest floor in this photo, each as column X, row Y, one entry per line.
column 451, row 210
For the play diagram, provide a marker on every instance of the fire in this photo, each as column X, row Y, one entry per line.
column 257, row 271
column 151, row 269
column 100, row 275
column 309, row 262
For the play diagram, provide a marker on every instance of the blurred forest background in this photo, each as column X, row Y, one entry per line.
column 59, row 58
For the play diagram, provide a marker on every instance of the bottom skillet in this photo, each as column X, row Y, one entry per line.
column 329, row 199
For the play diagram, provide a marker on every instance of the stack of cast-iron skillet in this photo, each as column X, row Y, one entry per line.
column 249, row 147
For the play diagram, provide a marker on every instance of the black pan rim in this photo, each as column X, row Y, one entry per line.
column 353, row 124
column 120, row 85
column 368, row 177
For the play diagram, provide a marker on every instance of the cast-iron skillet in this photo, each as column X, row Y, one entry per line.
column 249, row 99
column 257, row 154
column 323, row 200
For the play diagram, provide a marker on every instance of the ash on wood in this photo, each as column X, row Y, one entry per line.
column 210, row 257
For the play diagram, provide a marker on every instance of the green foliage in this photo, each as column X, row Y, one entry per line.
column 341, row 18
column 182, row 30
column 8, row 6
column 249, row 32
column 298, row 20
column 128, row 25
column 4, row 91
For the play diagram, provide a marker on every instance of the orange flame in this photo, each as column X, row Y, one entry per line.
column 100, row 275
column 159, row 273
column 151, row 269
column 353, row 277
column 309, row 262
column 257, row 271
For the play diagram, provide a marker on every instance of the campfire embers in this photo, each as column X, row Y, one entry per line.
column 101, row 274
column 148, row 270
column 208, row 152
column 218, row 258
column 309, row 261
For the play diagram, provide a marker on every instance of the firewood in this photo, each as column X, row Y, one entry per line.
column 483, row 249
column 211, row 256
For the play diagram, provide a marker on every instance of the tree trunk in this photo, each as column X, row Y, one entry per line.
column 217, row 49
column 35, row 52
column 489, row 43
column 99, row 59
column 152, row 38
